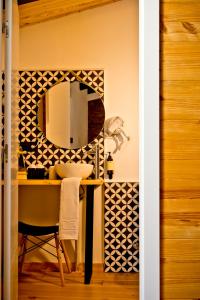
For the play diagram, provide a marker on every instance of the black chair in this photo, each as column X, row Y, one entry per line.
column 38, row 224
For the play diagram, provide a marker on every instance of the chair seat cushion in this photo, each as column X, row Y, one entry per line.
column 36, row 230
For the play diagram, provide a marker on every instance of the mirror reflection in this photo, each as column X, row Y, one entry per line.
column 71, row 114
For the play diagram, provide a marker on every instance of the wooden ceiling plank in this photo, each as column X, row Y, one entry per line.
column 36, row 8
column 43, row 10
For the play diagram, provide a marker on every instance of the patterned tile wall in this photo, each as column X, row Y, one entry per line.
column 121, row 227
column 32, row 85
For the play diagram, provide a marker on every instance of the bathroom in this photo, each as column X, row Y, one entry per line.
column 98, row 47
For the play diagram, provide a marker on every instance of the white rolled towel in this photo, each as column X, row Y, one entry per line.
column 69, row 209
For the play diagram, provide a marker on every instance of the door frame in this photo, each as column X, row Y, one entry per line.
column 1, row 150
column 10, row 199
column 149, row 180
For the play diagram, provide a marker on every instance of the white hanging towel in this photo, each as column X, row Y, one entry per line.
column 69, row 209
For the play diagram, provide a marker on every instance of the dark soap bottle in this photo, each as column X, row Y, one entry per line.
column 110, row 166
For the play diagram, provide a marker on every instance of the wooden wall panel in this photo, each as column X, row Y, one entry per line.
column 180, row 90
column 180, row 149
column 180, row 31
column 187, row 109
column 181, row 226
column 184, row 204
column 175, row 289
column 178, row 270
column 182, row 47
column 180, row 10
column 181, row 70
column 180, row 174
column 179, row 250
column 186, row 129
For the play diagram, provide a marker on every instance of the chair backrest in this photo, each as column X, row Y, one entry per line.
column 39, row 205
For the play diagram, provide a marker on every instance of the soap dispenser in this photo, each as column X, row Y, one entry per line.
column 110, row 166
column 22, row 174
column 21, row 162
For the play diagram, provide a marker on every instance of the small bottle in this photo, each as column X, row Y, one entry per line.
column 52, row 172
column 21, row 163
column 110, row 166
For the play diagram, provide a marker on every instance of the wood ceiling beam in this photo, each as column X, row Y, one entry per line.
column 44, row 10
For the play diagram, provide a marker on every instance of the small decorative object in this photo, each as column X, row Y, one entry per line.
column 110, row 166
column 36, row 172
column 21, row 162
column 52, row 173
column 28, row 146
column 21, row 174
column 113, row 129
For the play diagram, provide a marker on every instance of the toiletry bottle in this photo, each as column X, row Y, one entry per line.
column 110, row 166
column 52, row 173
column 21, row 163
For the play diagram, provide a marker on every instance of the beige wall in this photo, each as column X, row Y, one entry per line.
column 101, row 38
column 58, row 114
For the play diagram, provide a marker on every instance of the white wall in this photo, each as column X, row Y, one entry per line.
column 58, row 114
column 79, row 107
column 101, row 38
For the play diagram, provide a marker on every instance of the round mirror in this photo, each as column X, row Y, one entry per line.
column 71, row 114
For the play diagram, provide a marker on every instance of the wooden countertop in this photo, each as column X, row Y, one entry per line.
column 57, row 182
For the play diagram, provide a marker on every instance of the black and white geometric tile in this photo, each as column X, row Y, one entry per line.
column 121, row 227
column 33, row 85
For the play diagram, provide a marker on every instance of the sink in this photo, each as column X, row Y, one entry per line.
column 74, row 170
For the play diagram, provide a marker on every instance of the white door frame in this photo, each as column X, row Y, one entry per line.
column 10, row 254
column 1, row 100
column 149, row 217
column 7, row 155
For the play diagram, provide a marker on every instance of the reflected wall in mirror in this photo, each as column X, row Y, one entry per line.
column 71, row 114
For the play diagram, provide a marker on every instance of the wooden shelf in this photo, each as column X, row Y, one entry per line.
column 57, row 182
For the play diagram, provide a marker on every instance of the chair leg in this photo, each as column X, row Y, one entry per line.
column 59, row 259
column 76, row 255
column 22, row 252
column 67, row 261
